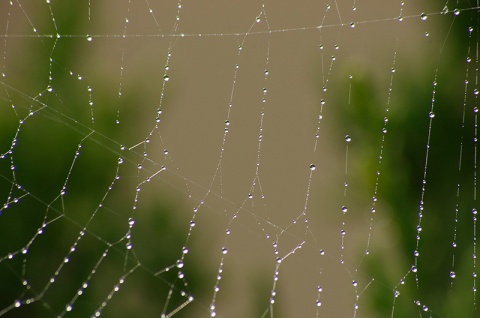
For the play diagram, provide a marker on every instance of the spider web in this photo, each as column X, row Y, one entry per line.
column 248, row 159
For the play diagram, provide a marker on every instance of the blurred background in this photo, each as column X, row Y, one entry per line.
column 142, row 140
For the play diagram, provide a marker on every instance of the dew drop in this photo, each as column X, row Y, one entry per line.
column 344, row 209
column 224, row 250
column 452, row 274
column 68, row 307
column 89, row 38
column 348, row 138
column 456, row 12
column 423, row 16
column 185, row 250
column 312, row 167
column 179, row 264
column 166, row 78
column 431, row 114
column 414, row 269
column 120, row 161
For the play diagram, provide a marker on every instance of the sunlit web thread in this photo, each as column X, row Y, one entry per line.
column 218, row 170
column 475, row 165
column 452, row 273
column 262, row 16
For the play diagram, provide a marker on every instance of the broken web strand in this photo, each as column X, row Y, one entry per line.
column 256, row 179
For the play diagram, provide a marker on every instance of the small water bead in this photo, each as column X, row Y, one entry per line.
column 348, row 138
column 416, row 253
column 128, row 246
column 431, row 114
column 423, row 16
column 456, row 12
column 400, row 19
column 179, row 264
column 354, row 283
column 224, row 250
column 470, row 29
column 425, row 308
column 469, row 59
column 396, row 294
column 318, row 303
column 185, row 250
column 344, row 209
column 475, row 109
column 322, row 252
column 414, row 269
column 18, row 303
column 474, row 211
column 312, row 167
column 452, row 274
column 166, row 78
column 89, row 38
column 258, row 20
column 475, row 91
column 352, row 24
column 342, row 232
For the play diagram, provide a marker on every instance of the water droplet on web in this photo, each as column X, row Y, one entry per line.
column 185, row 250
column 423, row 16
column 348, row 138
column 352, row 24
column 400, row 19
column 343, row 232
column 344, row 209
column 456, row 12
column 452, row 274
column 318, row 303
column 354, row 283
column 89, row 38
column 469, row 59
column 470, row 29
column 475, row 91
column 128, row 246
column 68, row 307
column 18, row 303
column 224, row 250
column 258, row 20
column 166, row 78
column 120, row 161
column 414, row 269
column 312, row 167
column 179, row 263
column 431, row 114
